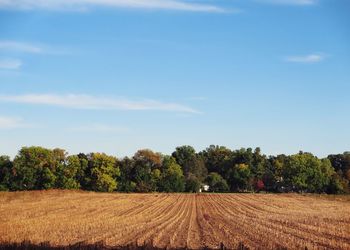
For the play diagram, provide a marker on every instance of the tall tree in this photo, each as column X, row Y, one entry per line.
column 304, row 172
column 239, row 177
column 341, row 164
column 216, row 183
column 191, row 163
column 5, row 173
column 192, row 184
column 67, row 173
column 217, row 159
column 34, row 168
column 104, row 172
column 127, row 175
column 146, row 163
column 172, row 178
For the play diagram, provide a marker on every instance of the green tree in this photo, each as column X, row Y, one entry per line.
column 191, row 163
column 273, row 178
column 259, row 164
column 67, row 173
column 104, row 172
column 243, row 156
column 47, row 179
column 192, row 184
column 337, row 185
column 304, row 172
column 172, row 178
column 5, row 173
column 341, row 164
column 239, row 177
column 156, row 177
column 83, row 174
column 127, row 181
column 217, row 159
column 34, row 168
column 145, row 162
column 104, row 182
column 216, row 183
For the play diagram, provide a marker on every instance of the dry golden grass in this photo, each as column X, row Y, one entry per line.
column 265, row 221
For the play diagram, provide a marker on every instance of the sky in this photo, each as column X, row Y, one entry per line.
column 116, row 76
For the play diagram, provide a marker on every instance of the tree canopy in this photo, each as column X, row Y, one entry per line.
column 185, row 170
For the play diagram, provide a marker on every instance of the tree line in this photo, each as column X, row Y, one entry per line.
column 185, row 170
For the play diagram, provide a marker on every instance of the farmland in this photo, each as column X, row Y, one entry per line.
column 192, row 221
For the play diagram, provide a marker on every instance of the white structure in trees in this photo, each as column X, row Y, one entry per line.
column 204, row 188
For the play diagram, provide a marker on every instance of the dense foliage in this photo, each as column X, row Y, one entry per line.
column 224, row 170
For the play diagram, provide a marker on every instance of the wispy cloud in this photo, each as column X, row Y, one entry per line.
column 10, row 63
column 32, row 48
column 101, row 128
column 95, row 102
column 11, row 122
column 197, row 98
column 289, row 2
column 312, row 58
column 86, row 4
column 19, row 46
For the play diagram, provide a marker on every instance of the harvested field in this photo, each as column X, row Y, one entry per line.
column 265, row 221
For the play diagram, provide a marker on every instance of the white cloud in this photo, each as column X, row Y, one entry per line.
column 197, row 98
column 95, row 102
column 18, row 46
column 289, row 2
column 10, row 122
column 312, row 58
column 85, row 4
column 10, row 63
column 101, row 128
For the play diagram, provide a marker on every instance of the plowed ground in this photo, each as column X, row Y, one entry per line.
column 264, row 221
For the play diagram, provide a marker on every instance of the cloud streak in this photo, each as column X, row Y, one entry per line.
column 178, row 5
column 101, row 128
column 289, row 2
column 10, row 64
column 19, row 47
column 11, row 122
column 95, row 102
column 312, row 58
column 30, row 48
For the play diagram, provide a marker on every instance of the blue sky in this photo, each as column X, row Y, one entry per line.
column 116, row 76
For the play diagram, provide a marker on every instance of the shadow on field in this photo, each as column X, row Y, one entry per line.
column 26, row 245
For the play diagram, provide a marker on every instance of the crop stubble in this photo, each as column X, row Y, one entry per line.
column 264, row 221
